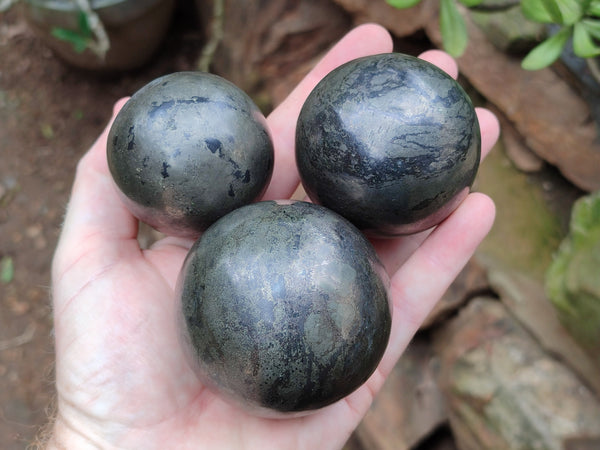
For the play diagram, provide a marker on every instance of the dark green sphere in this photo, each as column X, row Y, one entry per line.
column 188, row 148
column 390, row 141
column 285, row 307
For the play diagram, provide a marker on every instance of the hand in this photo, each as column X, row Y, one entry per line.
column 121, row 378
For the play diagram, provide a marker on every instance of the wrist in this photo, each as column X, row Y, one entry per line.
column 64, row 436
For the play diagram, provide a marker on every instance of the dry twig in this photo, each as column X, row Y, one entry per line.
column 19, row 340
column 216, row 36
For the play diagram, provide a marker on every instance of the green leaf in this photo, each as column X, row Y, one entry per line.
column 453, row 28
column 78, row 41
column 7, row 269
column 47, row 130
column 471, row 3
column 560, row 12
column 593, row 8
column 543, row 11
column 571, row 10
column 592, row 26
column 402, row 4
column 547, row 52
column 84, row 24
column 572, row 281
column 583, row 43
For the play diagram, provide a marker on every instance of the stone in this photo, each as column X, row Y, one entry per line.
column 400, row 22
column 285, row 306
column 527, row 228
column 508, row 29
column 503, row 390
column 526, row 300
column 516, row 149
column 553, row 120
column 390, row 142
column 584, row 75
column 472, row 280
column 582, row 443
column 573, row 281
column 186, row 149
column 410, row 405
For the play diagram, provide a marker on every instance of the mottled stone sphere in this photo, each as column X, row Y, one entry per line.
column 390, row 141
column 284, row 308
column 188, row 148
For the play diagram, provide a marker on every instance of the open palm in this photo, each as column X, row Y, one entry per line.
column 122, row 379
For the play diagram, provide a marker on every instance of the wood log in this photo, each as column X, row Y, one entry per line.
column 269, row 42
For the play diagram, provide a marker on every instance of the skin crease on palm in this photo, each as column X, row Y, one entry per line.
column 121, row 376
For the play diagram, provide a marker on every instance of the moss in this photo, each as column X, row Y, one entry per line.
column 572, row 281
column 527, row 230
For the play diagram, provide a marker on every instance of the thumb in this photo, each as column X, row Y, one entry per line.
column 97, row 222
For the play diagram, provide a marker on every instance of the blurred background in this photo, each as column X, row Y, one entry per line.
column 510, row 358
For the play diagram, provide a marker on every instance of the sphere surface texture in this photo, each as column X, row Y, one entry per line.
column 285, row 307
column 186, row 149
column 390, row 141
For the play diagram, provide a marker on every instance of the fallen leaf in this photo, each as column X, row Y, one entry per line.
column 7, row 269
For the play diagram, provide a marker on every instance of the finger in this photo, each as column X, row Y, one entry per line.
column 95, row 158
column 429, row 271
column 488, row 122
column 394, row 252
column 362, row 41
column 167, row 255
column 490, row 130
column 96, row 218
column 441, row 59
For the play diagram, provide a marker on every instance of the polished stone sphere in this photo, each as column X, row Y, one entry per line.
column 390, row 141
column 284, row 307
column 188, row 148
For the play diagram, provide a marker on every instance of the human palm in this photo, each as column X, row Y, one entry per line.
column 121, row 376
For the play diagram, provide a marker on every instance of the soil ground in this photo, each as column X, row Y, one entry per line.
column 49, row 116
